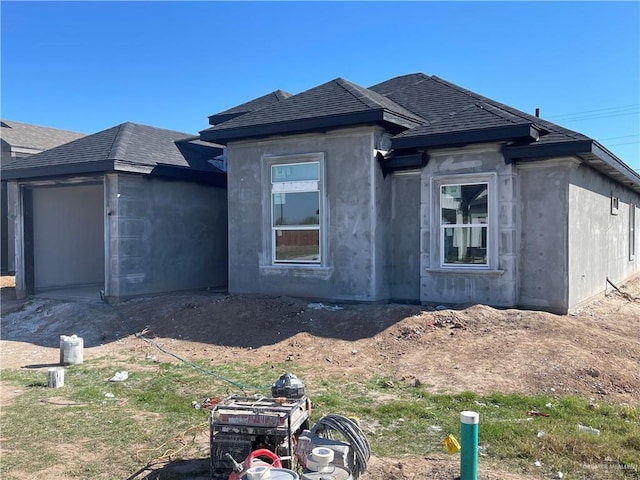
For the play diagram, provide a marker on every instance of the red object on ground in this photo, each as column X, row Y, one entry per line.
column 253, row 461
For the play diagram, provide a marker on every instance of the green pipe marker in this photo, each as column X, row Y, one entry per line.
column 469, row 445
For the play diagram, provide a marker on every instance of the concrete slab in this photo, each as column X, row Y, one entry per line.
column 80, row 293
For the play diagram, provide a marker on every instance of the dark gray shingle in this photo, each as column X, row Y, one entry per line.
column 130, row 144
column 332, row 99
column 34, row 137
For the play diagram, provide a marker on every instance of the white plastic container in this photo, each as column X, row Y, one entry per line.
column 71, row 350
column 336, row 473
column 278, row 474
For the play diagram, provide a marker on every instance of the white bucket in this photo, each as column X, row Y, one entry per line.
column 278, row 474
column 336, row 473
column 71, row 350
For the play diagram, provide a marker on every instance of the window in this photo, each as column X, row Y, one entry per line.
column 632, row 231
column 615, row 204
column 464, row 222
column 295, row 212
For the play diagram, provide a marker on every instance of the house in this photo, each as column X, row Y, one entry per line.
column 131, row 210
column 417, row 190
column 19, row 140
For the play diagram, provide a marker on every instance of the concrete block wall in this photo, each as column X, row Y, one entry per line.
column 355, row 214
column 496, row 284
column 164, row 236
column 405, row 237
column 598, row 238
column 543, row 212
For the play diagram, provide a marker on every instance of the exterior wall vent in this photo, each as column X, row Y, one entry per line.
column 614, row 205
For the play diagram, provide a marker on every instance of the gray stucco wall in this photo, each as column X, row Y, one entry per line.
column 5, row 238
column 4, row 234
column 355, row 215
column 598, row 240
column 7, row 233
column 68, row 236
column 164, row 236
column 543, row 212
column 405, row 237
column 496, row 283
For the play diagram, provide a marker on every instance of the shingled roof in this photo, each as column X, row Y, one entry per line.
column 256, row 104
column 422, row 112
column 335, row 103
column 449, row 108
column 29, row 139
column 128, row 147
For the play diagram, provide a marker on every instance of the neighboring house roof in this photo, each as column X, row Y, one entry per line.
column 335, row 103
column 128, row 147
column 24, row 138
column 423, row 112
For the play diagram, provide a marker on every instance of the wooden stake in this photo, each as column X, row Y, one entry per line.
column 55, row 377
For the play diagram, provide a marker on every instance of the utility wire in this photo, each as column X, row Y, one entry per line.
column 597, row 111
column 206, row 371
column 595, row 117
column 623, row 136
column 627, row 143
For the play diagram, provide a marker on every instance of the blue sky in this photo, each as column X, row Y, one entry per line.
column 87, row 66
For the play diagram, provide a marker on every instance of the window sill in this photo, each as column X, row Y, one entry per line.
column 464, row 272
column 307, row 271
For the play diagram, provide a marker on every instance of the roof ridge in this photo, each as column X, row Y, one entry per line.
column 355, row 92
column 499, row 112
column 281, row 94
column 121, row 140
column 544, row 124
column 368, row 98
column 420, row 76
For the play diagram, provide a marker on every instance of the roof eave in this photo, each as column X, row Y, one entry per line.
column 219, row 118
column 223, row 136
column 397, row 161
column 56, row 170
column 527, row 132
column 103, row 166
column 589, row 151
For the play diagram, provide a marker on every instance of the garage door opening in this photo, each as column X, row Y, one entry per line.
column 67, row 236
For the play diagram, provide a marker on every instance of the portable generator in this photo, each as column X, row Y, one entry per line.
column 240, row 425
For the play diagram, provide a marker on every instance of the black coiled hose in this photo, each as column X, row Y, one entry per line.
column 352, row 433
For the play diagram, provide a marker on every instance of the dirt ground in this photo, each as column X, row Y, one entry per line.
column 594, row 351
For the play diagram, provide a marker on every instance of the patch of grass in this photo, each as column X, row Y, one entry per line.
column 406, row 420
column 150, row 417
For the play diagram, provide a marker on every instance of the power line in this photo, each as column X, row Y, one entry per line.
column 594, row 117
column 597, row 110
column 627, row 143
column 623, row 136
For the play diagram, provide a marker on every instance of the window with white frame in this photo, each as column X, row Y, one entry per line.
column 464, row 224
column 295, row 213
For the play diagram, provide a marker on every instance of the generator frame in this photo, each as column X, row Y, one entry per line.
column 240, row 425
